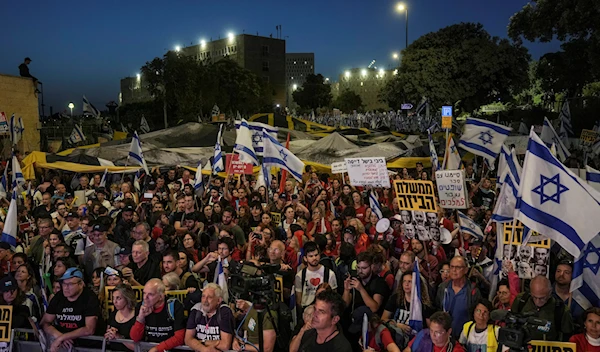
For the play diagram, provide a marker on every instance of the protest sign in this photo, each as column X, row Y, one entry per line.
column 451, row 189
column 528, row 260
column 368, row 172
column 237, row 167
column 415, row 195
column 588, row 137
column 338, row 168
column 3, row 124
column 276, row 219
column 552, row 346
column 5, row 323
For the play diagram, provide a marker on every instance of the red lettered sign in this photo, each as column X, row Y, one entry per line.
column 237, row 167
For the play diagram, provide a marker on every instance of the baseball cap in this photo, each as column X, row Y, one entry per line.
column 4, row 245
column 128, row 208
column 68, row 195
column 282, row 196
column 72, row 214
column 110, row 272
column 125, row 251
column 350, row 230
column 357, row 319
column 8, row 283
column 71, row 273
column 99, row 227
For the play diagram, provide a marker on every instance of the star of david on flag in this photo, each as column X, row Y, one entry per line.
column 256, row 129
column 555, row 202
column 276, row 155
column 585, row 286
column 469, row 226
column 549, row 136
column 483, row 138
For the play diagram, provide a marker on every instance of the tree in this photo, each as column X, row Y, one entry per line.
column 313, row 94
column 348, row 101
column 576, row 23
column 461, row 65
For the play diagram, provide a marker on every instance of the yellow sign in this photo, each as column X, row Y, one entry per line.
column 518, row 236
column 588, row 137
column 279, row 287
column 548, row 346
column 447, row 122
column 5, row 323
column 415, row 195
column 276, row 219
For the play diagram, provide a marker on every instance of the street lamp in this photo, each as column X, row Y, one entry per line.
column 71, row 106
column 401, row 7
column 363, row 72
column 139, row 77
column 395, row 56
column 177, row 48
column 231, row 37
column 294, row 87
column 203, row 43
column 347, row 74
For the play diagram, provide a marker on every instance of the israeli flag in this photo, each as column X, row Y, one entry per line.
column 469, row 226
column 221, row 280
column 585, row 286
column 566, row 128
column 416, row 308
column 592, row 176
column 17, row 174
column 88, row 108
column 523, row 128
column 509, row 164
column 375, row 206
column 16, row 130
column 264, row 178
column 483, row 138
column 218, row 164
column 144, row 127
column 76, row 135
column 435, row 163
column 547, row 192
column 123, row 128
column 198, row 184
column 256, row 128
column 549, row 137
column 293, row 307
column 4, row 183
column 103, row 179
column 243, row 144
column 278, row 156
column 11, row 223
column 507, row 200
column 452, row 158
column 135, row 152
column 215, row 111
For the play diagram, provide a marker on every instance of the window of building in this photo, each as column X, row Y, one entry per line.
column 265, row 79
column 265, row 50
column 265, row 66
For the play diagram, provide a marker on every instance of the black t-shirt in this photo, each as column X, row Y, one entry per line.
column 150, row 270
column 401, row 312
column 376, row 285
column 160, row 326
column 123, row 329
column 41, row 212
column 70, row 316
column 485, row 200
column 209, row 329
column 338, row 343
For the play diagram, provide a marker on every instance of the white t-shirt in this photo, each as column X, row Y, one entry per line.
column 477, row 341
column 311, row 282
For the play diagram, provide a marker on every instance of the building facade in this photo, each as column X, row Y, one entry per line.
column 264, row 56
column 297, row 67
column 367, row 83
column 17, row 96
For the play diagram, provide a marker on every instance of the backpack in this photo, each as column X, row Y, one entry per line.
column 398, row 335
column 325, row 276
column 328, row 262
column 283, row 326
column 559, row 310
column 171, row 308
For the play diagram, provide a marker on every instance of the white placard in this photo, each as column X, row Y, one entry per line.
column 368, row 172
column 451, row 189
column 338, row 168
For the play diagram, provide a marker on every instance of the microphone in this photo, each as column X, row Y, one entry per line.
column 499, row 314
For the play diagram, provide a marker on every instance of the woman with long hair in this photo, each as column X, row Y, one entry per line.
column 318, row 225
column 190, row 244
column 24, row 276
column 122, row 318
column 13, row 296
column 397, row 309
column 362, row 211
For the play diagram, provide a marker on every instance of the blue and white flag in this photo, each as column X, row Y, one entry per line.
column 144, row 127
column 4, row 183
column 198, row 184
column 278, row 156
column 123, row 128
column 264, row 178
column 374, row 204
column 523, row 128
column 504, row 209
column 435, row 163
column 76, row 135
column 483, row 138
column 243, row 144
column 88, row 108
column 469, row 226
column 293, row 307
column 221, row 280
column 17, row 175
column 215, row 111
column 566, row 128
column 256, row 129
column 218, row 163
column 365, row 332
column 549, row 137
column 592, row 176
column 547, row 194
column 423, row 105
column 103, row 179
column 16, row 129
column 135, row 152
column 452, row 158
column 585, row 286
column 509, row 164
column 416, row 306
column 11, row 223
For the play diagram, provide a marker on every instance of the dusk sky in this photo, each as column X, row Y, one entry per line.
column 86, row 47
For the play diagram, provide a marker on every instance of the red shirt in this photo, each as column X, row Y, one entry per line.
column 311, row 224
column 361, row 214
column 386, row 339
column 582, row 343
column 362, row 243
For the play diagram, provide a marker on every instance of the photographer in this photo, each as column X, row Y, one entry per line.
column 250, row 328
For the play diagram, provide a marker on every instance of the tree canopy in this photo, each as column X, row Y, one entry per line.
column 348, row 101
column 313, row 94
column 461, row 65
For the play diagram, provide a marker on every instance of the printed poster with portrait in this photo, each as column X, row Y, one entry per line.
column 528, row 260
column 419, row 224
column 418, row 209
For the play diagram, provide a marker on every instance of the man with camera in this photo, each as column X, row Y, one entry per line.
column 309, row 278
column 367, row 289
column 251, row 341
column 541, row 302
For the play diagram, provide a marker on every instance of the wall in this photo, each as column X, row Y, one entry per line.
column 17, row 96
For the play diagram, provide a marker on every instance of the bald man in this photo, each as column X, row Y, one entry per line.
column 541, row 301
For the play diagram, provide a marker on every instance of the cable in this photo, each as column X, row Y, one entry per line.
column 246, row 342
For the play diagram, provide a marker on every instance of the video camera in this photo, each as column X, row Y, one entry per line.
column 517, row 332
column 254, row 283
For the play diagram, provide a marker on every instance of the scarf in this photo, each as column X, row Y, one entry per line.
column 592, row 341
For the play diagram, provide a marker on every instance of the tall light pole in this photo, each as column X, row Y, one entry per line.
column 71, row 106
column 401, row 7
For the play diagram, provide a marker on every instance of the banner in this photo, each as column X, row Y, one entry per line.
column 551, row 346
column 588, row 137
column 5, row 323
column 338, row 168
column 3, row 123
column 451, row 188
column 368, row 172
column 237, row 167
column 276, row 219
column 529, row 260
column 415, row 195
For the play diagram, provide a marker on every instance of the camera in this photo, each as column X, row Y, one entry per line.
column 517, row 332
column 253, row 283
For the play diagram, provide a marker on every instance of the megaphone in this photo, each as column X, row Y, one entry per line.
column 383, row 226
column 445, row 235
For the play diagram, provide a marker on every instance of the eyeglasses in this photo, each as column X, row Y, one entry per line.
column 482, row 312
column 503, row 293
column 444, row 271
column 438, row 333
column 457, row 267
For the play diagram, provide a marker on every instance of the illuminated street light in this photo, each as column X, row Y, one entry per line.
column 395, row 56
column 71, row 106
column 278, row 106
column 294, row 87
column 401, row 7
column 139, row 76
column 177, row 48
column 327, row 79
column 231, row 36
column 381, row 72
column 363, row 72
column 347, row 74
column 202, row 43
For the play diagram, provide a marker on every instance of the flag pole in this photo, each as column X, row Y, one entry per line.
column 284, row 172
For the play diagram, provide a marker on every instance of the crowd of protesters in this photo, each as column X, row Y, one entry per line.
column 160, row 233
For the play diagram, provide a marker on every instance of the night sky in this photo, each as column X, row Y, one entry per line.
column 86, row 47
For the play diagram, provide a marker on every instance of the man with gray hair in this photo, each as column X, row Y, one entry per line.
column 210, row 326
column 141, row 232
column 158, row 320
column 143, row 267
